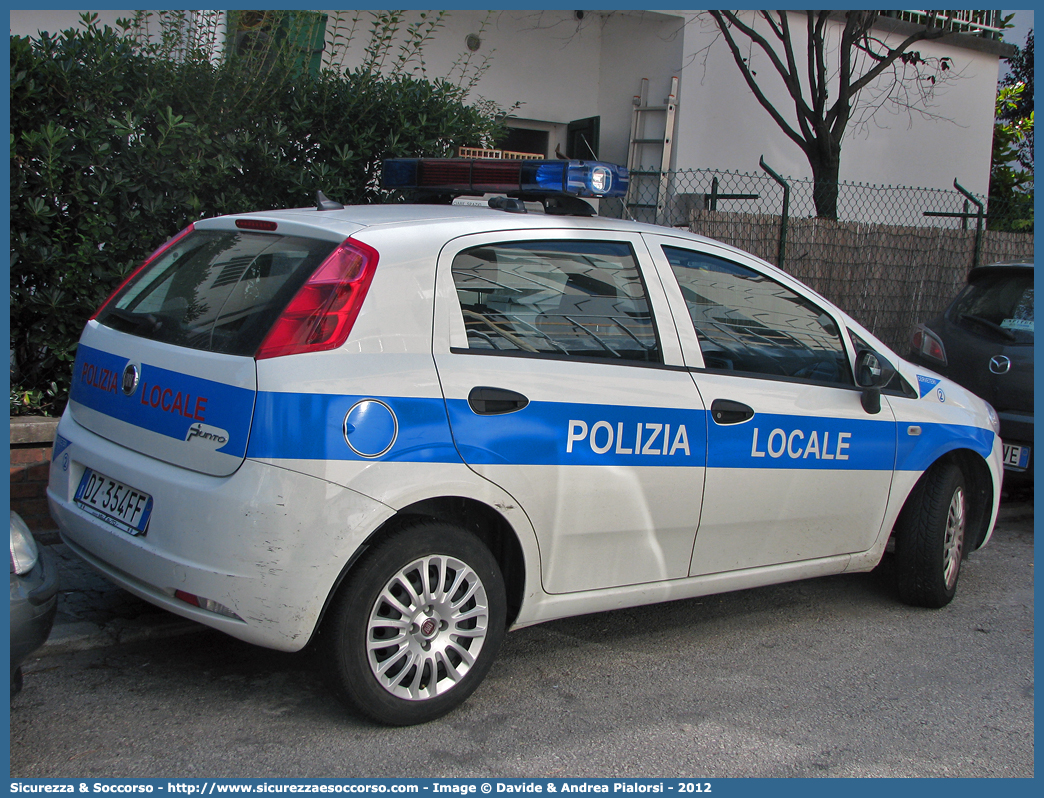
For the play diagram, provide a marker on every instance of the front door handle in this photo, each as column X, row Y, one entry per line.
column 725, row 411
column 495, row 401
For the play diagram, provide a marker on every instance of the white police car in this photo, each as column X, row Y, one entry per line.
column 404, row 429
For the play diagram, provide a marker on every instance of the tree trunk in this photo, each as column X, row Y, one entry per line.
column 825, row 171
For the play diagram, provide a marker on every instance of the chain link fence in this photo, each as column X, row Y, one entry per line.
column 896, row 256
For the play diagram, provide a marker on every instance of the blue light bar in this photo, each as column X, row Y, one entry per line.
column 514, row 178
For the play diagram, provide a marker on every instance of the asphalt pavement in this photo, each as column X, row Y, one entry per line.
column 828, row 677
column 94, row 613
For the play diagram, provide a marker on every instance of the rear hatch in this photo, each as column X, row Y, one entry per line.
column 988, row 335
column 166, row 368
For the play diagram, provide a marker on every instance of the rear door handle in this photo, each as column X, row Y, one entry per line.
column 495, row 401
column 725, row 411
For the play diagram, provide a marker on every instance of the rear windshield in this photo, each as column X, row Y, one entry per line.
column 219, row 291
column 999, row 304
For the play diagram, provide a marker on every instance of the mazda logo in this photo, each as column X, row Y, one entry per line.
column 999, row 364
column 130, row 379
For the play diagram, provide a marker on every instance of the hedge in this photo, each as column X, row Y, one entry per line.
column 114, row 149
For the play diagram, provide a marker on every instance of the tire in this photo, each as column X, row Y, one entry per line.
column 416, row 625
column 930, row 538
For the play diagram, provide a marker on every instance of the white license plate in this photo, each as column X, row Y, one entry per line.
column 1015, row 456
column 113, row 502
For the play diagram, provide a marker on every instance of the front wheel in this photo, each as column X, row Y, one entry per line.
column 930, row 538
column 417, row 625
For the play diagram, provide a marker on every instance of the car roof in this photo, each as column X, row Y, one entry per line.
column 352, row 218
column 1013, row 267
column 412, row 213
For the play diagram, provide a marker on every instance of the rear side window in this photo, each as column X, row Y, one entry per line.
column 748, row 322
column 218, row 291
column 1001, row 304
column 556, row 298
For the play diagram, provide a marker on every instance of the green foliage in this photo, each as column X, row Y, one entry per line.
column 120, row 138
column 1011, row 174
column 1018, row 109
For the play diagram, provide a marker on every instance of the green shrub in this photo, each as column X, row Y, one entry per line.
column 1011, row 170
column 116, row 145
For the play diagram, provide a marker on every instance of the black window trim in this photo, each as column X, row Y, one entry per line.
column 755, row 375
column 604, row 361
column 905, row 389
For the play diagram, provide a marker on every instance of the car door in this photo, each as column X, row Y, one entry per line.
column 564, row 385
column 796, row 468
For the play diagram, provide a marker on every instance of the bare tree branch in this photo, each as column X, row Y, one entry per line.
column 817, row 77
column 893, row 54
column 727, row 20
column 865, row 62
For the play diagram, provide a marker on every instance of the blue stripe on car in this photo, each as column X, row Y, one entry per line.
column 167, row 402
column 311, row 427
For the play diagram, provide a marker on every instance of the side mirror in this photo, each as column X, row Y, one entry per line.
column 873, row 373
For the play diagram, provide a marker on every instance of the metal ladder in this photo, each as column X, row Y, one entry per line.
column 647, row 195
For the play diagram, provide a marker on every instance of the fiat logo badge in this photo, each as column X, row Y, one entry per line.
column 428, row 627
column 130, row 379
column 999, row 364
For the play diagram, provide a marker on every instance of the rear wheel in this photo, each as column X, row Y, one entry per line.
column 930, row 538
column 417, row 624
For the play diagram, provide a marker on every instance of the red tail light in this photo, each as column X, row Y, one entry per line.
column 256, row 224
column 322, row 312
column 928, row 343
column 159, row 251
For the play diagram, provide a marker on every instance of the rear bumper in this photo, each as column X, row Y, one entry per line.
column 267, row 543
column 1017, row 430
column 1016, row 427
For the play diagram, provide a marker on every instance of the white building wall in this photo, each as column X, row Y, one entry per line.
column 545, row 61
column 904, row 149
column 635, row 45
column 722, row 125
column 26, row 22
column 718, row 113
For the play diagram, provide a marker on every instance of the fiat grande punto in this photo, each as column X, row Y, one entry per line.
column 401, row 430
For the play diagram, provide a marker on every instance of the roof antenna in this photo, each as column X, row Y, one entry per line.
column 324, row 203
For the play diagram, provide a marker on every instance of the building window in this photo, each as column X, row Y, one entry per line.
column 521, row 139
column 295, row 39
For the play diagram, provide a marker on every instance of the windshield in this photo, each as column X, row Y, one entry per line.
column 219, row 291
column 1000, row 304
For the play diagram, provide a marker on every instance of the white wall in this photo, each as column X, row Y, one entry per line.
column 545, row 60
column 634, row 46
column 723, row 125
column 32, row 23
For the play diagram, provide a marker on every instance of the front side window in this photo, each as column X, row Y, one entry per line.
column 556, row 298
column 747, row 322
